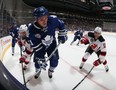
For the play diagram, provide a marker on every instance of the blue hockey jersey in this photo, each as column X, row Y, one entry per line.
column 78, row 33
column 40, row 37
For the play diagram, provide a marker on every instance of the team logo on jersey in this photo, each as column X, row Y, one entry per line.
column 37, row 35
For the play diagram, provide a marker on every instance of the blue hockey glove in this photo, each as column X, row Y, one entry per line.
column 62, row 37
column 42, row 63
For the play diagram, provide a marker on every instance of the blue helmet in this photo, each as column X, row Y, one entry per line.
column 40, row 11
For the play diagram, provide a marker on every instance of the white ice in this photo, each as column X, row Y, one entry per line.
column 67, row 74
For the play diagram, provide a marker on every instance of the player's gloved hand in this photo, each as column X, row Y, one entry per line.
column 84, row 40
column 62, row 36
column 97, row 62
column 24, row 58
column 62, row 39
column 42, row 63
column 12, row 34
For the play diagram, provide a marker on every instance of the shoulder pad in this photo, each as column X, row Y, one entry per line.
column 101, row 39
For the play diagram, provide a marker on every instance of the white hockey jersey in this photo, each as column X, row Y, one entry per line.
column 25, row 44
column 98, row 44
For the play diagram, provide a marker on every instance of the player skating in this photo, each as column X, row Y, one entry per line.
column 97, row 44
column 14, row 33
column 77, row 35
column 43, row 40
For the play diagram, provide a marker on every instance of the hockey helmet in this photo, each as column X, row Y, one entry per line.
column 23, row 28
column 98, row 30
column 40, row 11
column 23, row 31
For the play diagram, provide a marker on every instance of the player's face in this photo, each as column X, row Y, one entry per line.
column 96, row 35
column 42, row 21
column 22, row 34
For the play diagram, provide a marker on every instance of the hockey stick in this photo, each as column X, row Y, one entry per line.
column 28, row 80
column 20, row 50
column 83, row 78
column 23, row 75
column 22, row 69
column 53, row 52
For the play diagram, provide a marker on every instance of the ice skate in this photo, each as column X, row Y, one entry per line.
column 71, row 43
column 12, row 53
column 78, row 44
column 81, row 65
column 25, row 67
column 38, row 71
column 50, row 72
column 106, row 68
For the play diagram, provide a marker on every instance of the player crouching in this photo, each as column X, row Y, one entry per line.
column 96, row 44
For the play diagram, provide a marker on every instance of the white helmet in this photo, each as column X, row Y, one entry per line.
column 23, row 28
column 98, row 30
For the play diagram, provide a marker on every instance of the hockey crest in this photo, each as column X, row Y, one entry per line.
column 37, row 35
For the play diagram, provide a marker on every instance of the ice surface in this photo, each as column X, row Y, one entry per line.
column 67, row 74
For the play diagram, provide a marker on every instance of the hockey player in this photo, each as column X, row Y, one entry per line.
column 14, row 33
column 77, row 35
column 42, row 38
column 96, row 44
column 23, row 42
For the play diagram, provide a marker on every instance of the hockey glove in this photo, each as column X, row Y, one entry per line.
column 26, row 57
column 97, row 62
column 42, row 63
column 62, row 36
column 22, row 58
column 12, row 34
column 84, row 40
